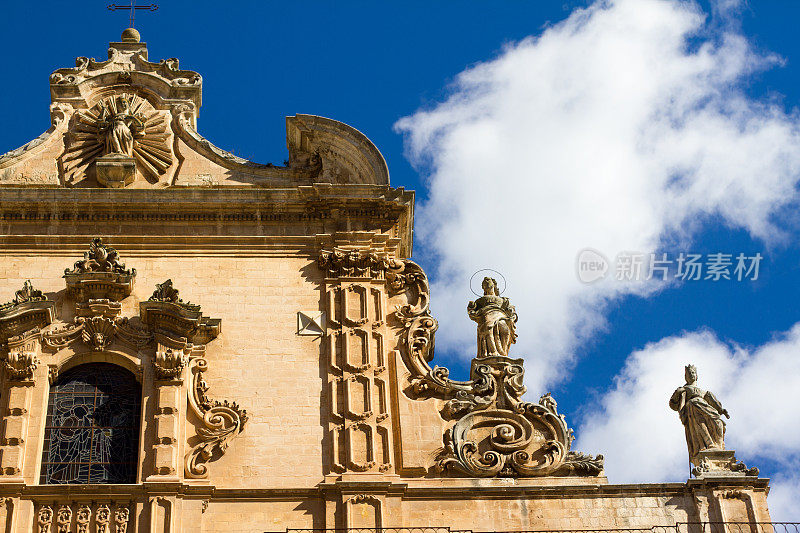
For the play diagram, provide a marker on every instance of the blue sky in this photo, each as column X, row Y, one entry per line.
column 370, row 64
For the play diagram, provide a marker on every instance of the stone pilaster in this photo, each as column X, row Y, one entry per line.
column 359, row 395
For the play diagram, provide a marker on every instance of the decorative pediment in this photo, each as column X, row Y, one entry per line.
column 29, row 309
column 127, row 64
column 129, row 122
column 99, row 275
column 166, row 313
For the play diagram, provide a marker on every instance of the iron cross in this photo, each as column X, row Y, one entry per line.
column 133, row 7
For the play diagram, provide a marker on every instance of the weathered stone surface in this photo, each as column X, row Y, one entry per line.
column 330, row 414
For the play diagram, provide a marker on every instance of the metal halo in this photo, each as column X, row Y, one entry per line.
column 487, row 270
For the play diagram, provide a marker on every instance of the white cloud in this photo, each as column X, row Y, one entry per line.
column 643, row 440
column 618, row 128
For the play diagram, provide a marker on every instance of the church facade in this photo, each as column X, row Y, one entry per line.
column 196, row 342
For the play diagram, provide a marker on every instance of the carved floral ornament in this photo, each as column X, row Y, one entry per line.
column 495, row 432
column 173, row 331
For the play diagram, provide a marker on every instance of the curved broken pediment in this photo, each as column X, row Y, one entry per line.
column 130, row 122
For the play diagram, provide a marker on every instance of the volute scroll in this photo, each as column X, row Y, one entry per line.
column 495, row 433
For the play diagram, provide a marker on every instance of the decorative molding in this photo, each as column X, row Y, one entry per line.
column 352, row 264
column 354, row 306
column 30, row 309
column 169, row 363
column 166, row 313
column 221, row 422
column 100, row 275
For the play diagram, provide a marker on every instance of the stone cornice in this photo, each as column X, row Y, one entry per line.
column 334, row 206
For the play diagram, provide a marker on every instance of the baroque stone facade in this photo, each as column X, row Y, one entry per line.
column 316, row 405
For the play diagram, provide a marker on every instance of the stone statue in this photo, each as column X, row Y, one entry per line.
column 117, row 126
column 701, row 414
column 496, row 320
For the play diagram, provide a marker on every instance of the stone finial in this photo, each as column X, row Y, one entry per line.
column 130, row 35
column 496, row 320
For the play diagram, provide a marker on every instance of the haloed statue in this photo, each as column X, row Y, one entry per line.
column 118, row 124
column 496, row 320
column 701, row 414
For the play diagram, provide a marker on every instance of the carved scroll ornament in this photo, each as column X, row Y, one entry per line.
column 99, row 275
column 495, row 433
column 222, row 421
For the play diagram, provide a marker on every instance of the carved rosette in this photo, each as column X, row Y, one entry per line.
column 495, row 432
column 221, row 422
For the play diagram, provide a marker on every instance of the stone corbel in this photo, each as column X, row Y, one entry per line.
column 221, row 422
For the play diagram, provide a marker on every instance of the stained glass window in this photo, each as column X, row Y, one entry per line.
column 92, row 429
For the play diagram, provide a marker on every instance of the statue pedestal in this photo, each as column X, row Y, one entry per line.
column 720, row 463
column 115, row 170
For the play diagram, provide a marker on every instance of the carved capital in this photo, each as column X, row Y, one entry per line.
column 352, row 264
column 169, row 363
column 20, row 365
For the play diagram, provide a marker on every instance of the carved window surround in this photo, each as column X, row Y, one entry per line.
column 166, row 338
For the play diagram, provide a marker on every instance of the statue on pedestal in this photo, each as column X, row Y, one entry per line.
column 701, row 415
column 496, row 320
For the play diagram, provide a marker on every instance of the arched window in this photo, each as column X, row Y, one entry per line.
column 92, row 429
